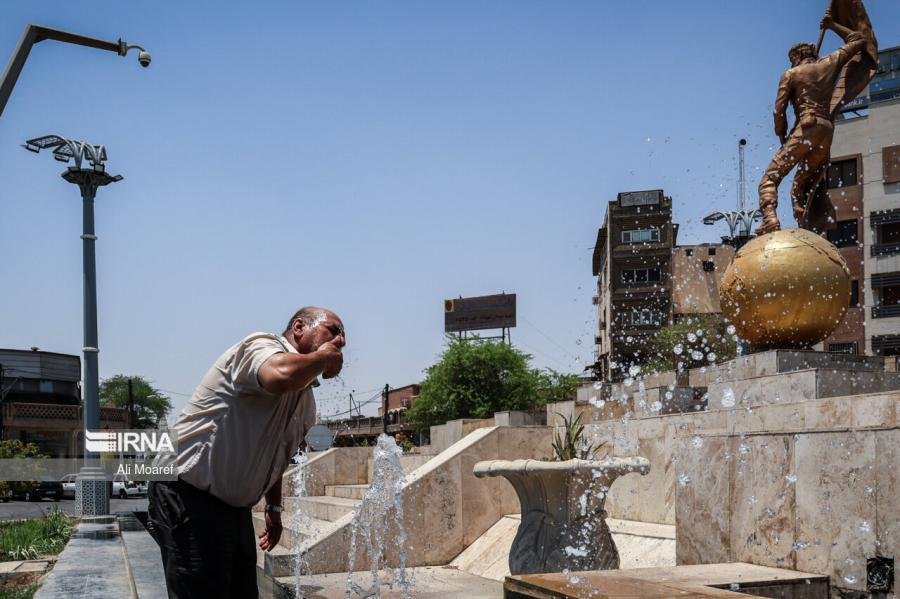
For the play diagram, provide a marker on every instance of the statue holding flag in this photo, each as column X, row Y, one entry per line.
column 817, row 88
column 790, row 288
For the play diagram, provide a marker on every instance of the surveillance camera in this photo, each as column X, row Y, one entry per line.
column 144, row 58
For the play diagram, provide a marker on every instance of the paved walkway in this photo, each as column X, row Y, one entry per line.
column 108, row 556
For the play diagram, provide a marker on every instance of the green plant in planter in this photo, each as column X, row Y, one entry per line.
column 571, row 443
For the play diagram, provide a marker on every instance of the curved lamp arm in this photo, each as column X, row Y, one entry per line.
column 35, row 34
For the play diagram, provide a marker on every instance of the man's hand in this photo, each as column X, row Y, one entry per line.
column 270, row 536
column 827, row 21
column 332, row 357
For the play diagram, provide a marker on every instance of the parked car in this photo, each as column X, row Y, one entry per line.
column 120, row 487
column 35, row 491
column 68, row 485
column 124, row 488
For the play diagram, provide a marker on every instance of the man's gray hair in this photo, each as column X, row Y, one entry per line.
column 309, row 315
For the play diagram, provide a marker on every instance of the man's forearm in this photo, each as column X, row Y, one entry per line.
column 273, row 495
column 843, row 32
column 286, row 372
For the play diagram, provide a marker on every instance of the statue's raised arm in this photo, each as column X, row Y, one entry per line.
column 817, row 88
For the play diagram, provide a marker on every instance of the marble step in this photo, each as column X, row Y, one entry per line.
column 291, row 536
column 346, row 491
column 321, row 507
column 799, row 385
column 781, row 361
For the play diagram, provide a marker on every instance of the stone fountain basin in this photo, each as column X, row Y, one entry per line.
column 563, row 521
column 610, row 467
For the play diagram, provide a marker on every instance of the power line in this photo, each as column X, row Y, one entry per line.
column 359, row 405
column 550, row 339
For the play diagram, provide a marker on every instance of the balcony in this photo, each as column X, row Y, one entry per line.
column 885, row 249
column 886, row 311
column 57, row 416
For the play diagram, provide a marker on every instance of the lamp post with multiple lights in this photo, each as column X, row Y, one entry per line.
column 92, row 497
column 740, row 221
column 91, row 493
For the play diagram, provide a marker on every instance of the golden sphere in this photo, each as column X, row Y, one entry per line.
column 787, row 289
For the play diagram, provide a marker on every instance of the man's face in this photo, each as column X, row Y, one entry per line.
column 325, row 327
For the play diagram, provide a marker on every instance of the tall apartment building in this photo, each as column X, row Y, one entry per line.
column 696, row 273
column 632, row 262
column 864, row 184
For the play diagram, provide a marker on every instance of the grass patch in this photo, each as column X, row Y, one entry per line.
column 26, row 592
column 31, row 539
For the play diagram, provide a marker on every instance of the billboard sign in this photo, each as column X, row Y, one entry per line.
column 640, row 198
column 478, row 313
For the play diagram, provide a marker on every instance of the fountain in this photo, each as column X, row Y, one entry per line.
column 563, row 522
column 381, row 505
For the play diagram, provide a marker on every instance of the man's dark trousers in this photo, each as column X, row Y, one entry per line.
column 208, row 547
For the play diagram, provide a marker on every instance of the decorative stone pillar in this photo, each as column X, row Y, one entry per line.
column 563, row 522
column 92, row 492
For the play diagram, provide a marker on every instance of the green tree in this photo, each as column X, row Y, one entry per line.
column 149, row 403
column 475, row 378
column 15, row 449
column 690, row 343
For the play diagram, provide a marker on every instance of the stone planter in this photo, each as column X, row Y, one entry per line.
column 563, row 522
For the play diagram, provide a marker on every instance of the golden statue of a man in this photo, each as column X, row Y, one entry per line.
column 817, row 88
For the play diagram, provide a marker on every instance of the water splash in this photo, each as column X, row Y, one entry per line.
column 300, row 520
column 372, row 518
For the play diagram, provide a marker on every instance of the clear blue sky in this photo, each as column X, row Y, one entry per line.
column 373, row 157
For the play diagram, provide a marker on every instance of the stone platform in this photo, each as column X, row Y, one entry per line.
column 712, row 580
column 439, row 582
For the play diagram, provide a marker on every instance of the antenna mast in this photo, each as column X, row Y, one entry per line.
column 741, row 182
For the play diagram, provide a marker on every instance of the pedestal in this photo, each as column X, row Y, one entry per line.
column 92, row 492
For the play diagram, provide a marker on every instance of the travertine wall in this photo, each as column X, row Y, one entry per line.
column 444, row 435
column 817, row 501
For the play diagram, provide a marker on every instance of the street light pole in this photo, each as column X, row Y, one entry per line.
column 35, row 34
column 91, row 493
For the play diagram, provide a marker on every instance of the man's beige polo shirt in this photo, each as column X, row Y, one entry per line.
column 235, row 438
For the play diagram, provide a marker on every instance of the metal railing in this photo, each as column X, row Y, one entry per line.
column 885, row 249
column 885, row 311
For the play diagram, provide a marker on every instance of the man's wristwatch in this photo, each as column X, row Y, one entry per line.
column 277, row 509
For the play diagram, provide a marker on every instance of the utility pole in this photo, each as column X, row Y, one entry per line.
column 130, row 403
column 384, row 404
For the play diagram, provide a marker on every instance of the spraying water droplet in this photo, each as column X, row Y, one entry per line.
column 727, row 398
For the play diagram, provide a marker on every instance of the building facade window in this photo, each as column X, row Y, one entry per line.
column 844, row 234
column 854, row 294
column 886, row 288
column 709, row 266
column 886, row 231
column 844, row 347
column 640, row 235
column 643, row 317
column 890, row 164
column 842, row 173
column 641, row 275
